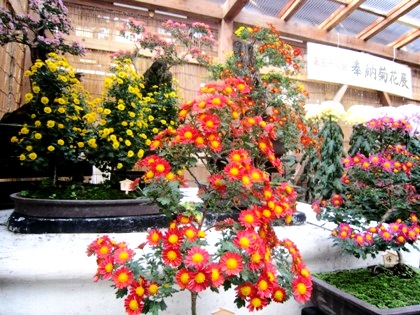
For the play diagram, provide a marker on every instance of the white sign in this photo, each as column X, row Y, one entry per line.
column 332, row 64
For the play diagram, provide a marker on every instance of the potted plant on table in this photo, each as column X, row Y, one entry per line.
column 377, row 210
column 229, row 129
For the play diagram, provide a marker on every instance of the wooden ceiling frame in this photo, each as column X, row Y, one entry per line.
column 340, row 15
column 405, row 39
column 231, row 12
column 290, row 9
column 381, row 23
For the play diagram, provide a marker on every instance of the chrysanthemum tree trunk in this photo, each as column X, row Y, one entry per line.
column 193, row 303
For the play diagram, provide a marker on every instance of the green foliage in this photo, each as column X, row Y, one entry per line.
column 330, row 169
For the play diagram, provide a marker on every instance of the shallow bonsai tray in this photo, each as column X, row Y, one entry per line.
column 332, row 301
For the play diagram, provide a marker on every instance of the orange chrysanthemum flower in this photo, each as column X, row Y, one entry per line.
column 106, row 267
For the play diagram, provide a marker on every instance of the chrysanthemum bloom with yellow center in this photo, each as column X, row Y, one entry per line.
column 182, row 278
column 123, row 277
column 196, row 257
column 231, row 263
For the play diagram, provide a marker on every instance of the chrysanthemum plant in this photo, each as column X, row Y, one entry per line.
column 183, row 42
column 57, row 130
column 379, row 206
column 136, row 107
column 226, row 130
column 42, row 30
column 323, row 168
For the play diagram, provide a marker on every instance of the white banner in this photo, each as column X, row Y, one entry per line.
column 332, row 64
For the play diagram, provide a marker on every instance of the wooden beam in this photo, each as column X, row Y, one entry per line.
column 225, row 39
column 381, row 23
column 340, row 93
column 316, row 35
column 384, row 98
column 231, row 8
column 340, row 15
column 290, row 9
column 405, row 39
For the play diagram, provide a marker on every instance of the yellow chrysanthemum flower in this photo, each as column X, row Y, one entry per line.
column 45, row 100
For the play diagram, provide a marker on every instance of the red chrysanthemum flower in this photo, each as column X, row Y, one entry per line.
column 139, row 288
column 302, row 289
column 209, row 122
column 216, row 276
column 182, row 278
column 199, row 280
column 172, row 257
column 279, row 294
column 217, row 182
column 123, row 277
column 239, row 156
column 106, row 267
column 386, row 235
column 190, row 233
column 245, row 240
column 256, row 303
column 197, row 257
column 161, row 168
column 231, row 263
column 187, row 134
column 122, row 255
column 173, row 237
column 233, row 171
column 264, row 287
column 249, row 218
column 245, row 290
column 154, row 236
column 359, row 239
column 214, row 142
column 132, row 304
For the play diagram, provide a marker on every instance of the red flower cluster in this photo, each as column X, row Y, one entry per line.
column 182, row 249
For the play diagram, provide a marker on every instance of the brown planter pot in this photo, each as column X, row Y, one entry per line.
column 332, row 301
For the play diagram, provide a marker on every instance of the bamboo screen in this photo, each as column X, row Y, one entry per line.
column 98, row 29
column 11, row 73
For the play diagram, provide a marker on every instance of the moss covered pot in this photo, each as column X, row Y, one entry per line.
column 334, row 301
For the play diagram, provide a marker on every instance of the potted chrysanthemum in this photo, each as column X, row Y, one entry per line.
column 230, row 131
column 377, row 210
